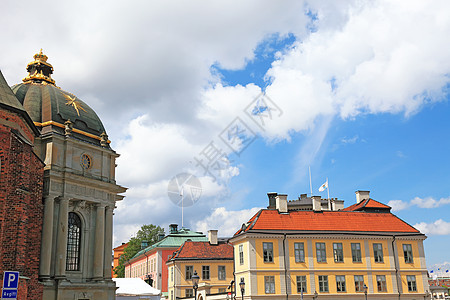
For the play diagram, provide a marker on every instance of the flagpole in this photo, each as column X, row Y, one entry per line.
column 182, row 206
column 310, row 183
column 328, row 188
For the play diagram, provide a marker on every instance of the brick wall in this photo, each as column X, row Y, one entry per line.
column 21, row 207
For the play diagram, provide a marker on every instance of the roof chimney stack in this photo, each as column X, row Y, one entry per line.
column 362, row 195
column 281, row 203
column 212, row 237
column 317, row 205
column 173, row 228
column 272, row 201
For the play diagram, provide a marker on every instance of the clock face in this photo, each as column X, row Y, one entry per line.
column 85, row 161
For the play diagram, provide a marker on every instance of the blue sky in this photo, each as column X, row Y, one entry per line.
column 362, row 87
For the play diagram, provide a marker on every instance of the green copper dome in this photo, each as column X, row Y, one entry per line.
column 53, row 109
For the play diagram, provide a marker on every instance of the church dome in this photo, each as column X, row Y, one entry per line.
column 55, row 110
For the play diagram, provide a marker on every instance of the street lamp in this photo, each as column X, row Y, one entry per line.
column 195, row 279
column 365, row 291
column 242, row 286
column 231, row 288
column 315, row 295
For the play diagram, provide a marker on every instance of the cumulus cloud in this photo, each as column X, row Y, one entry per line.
column 226, row 221
column 428, row 202
column 439, row 227
column 148, row 75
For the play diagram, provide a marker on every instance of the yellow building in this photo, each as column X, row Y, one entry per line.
column 212, row 261
column 282, row 253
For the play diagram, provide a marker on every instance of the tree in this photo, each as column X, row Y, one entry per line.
column 148, row 233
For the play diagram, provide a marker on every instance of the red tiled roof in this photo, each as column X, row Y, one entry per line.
column 369, row 203
column 330, row 221
column 203, row 250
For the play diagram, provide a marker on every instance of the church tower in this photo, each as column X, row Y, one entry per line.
column 79, row 192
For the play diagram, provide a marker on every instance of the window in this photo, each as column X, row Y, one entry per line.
column 359, row 283
column 378, row 252
column 241, row 254
column 222, row 290
column 268, row 252
column 171, row 295
column 222, row 273
column 171, row 274
column 321, row 252
column 407, row 253
column 205, row 272
column 301, row 284
column 189, row 293
column 323, row 283
column 73, row 242
column 340, row 283
column 299, row 249
column 412, row 286
column 189, row 272
column 338, row 252
column 381, row 283
column 269, row 284
column 356, row 252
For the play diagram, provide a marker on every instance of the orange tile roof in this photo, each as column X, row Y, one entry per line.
column 203, row 250
column 369, row 203
column 351, row 221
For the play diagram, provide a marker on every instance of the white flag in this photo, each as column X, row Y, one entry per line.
column 323, row 186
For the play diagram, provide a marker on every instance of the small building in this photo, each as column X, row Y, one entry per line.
column 150, row 263
column 211, row 260
column 118, row 251
column 333, row 254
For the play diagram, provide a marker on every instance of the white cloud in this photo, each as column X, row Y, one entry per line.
column 398, row 205
column 226, row 221
column 439, row 227
column 428, row 202
column 351, row 140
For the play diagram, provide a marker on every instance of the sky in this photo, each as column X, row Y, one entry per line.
column 238, row 99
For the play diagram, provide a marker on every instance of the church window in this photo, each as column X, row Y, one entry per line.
column 73, row 243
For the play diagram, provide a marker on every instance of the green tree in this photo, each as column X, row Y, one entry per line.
column 148, row 233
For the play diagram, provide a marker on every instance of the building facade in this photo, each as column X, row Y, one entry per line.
column 342, row 254
column 212, row 261
column 21, row 180
column 150, row 263
column 79, row 188
column 117, row 252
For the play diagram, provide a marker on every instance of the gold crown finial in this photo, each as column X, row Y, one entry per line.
column 39, row 70
column 40, row 56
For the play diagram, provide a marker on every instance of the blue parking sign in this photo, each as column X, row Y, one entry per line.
column 10, row 284
column 10, row 280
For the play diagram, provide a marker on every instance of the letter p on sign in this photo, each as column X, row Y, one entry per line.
column 10, row 280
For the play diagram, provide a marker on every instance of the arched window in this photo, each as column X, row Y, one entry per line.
column 73, row 243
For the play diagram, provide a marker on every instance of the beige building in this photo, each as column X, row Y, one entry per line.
column 338, row 254
column 80, row 190
column 212, row 261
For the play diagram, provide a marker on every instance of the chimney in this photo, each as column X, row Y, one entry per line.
column 160, row 236
column 144, row 244
column 317, row 205
column 272, row 201
column 281, row 203
column 212, row 237
column 173, row 228
column 362, row 195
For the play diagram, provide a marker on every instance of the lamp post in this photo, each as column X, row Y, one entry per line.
column 195, row 279
column 242, row 286
column 315, row 295
column 365, row 291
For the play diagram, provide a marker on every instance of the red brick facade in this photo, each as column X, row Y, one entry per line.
column 21, row 207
